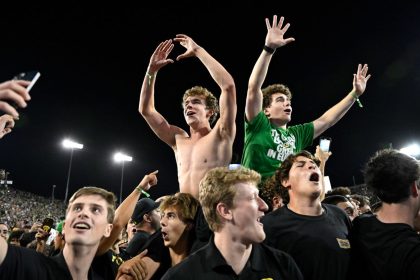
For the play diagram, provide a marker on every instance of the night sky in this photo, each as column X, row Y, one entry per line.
column 92, row 63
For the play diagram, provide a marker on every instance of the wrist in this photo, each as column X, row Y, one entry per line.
column 142, row 191
column 268, row 49
column 356, row 98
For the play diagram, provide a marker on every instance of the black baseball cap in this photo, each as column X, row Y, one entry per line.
column 143, row 206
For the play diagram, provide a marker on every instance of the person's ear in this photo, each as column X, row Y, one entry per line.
column 277, row 201
column 267, row 111
column 210, row 113
column 285, row 184
column 147, row 218
column 414, row 189
column 223, row 211
column 108, row 230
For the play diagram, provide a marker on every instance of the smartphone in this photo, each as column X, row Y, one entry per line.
column 31, row 76
column 47, row 224
column 324, row 144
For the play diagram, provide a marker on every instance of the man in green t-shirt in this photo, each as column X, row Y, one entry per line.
column 268, row 140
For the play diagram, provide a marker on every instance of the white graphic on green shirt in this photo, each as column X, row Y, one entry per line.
column 286, row 144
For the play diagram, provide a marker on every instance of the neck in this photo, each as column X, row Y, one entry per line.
column 199, row 131
column 391, row 213
column 306, row 207
column 178, row 254
column 78, row 259
column 279, row 123
column 235, row 252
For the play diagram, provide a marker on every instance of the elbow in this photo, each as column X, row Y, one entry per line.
column 229, row 86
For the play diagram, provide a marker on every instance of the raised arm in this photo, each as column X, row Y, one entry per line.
column 323, row 157
column 125, row 210
column 156, row 121
column 221, row 76
column 273, row 40
column 335, row 113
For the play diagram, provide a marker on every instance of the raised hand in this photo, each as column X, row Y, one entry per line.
column 275, row 33
column 13, row 92
column 148, row 181
column 160, row 58
column 187, row 43
column 360, row 79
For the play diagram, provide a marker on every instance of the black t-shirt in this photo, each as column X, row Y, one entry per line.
column 137, row 243
column 383, row 251
column 22, row 264
column 105, row 267
column 157, row 251
column 208, row 263
column 318, row 244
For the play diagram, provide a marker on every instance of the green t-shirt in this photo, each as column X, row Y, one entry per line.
column 266, row 146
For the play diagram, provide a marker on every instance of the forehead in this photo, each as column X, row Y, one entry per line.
column 274, row 96
column 245, row 189
column 301, row 159
column 170, row 209
column 91, row 199
column 3, row 226
column 194, row 98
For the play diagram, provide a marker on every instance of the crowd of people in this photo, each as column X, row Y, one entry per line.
column 269, row 218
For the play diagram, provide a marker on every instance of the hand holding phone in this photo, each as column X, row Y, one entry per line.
column 30, row 76
column 324, row 144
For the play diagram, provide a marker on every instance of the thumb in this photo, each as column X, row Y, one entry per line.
column 142, row 254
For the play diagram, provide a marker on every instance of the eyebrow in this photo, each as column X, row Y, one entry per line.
column 90, row 205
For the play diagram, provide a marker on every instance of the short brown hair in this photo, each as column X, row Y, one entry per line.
column 282, row 173
column 211, row 101
column 273, row 89
column 108, row 196
column 185, row 204
column 218, row 186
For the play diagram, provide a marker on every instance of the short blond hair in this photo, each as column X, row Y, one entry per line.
column 211, row 101
column 109, row 197
column 218, row 186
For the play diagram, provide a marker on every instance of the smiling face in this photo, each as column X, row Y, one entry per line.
column 248, row 208
column 304, row 179
column 86, row 221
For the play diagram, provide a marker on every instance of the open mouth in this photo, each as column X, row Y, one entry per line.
column 164, row 235
column 190, row 113
column 81, row 225
column 314, row 177
column 288, row 110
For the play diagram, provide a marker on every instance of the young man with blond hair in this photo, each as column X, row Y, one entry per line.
column 233, row 210
column 203, row 147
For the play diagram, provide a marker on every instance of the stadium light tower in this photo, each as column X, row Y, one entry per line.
column 69, row 144
column 411, row 150
column 121, row 158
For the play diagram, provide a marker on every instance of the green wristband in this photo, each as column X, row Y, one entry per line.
column 354, row 95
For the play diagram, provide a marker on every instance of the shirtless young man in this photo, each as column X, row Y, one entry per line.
column 204, row 147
